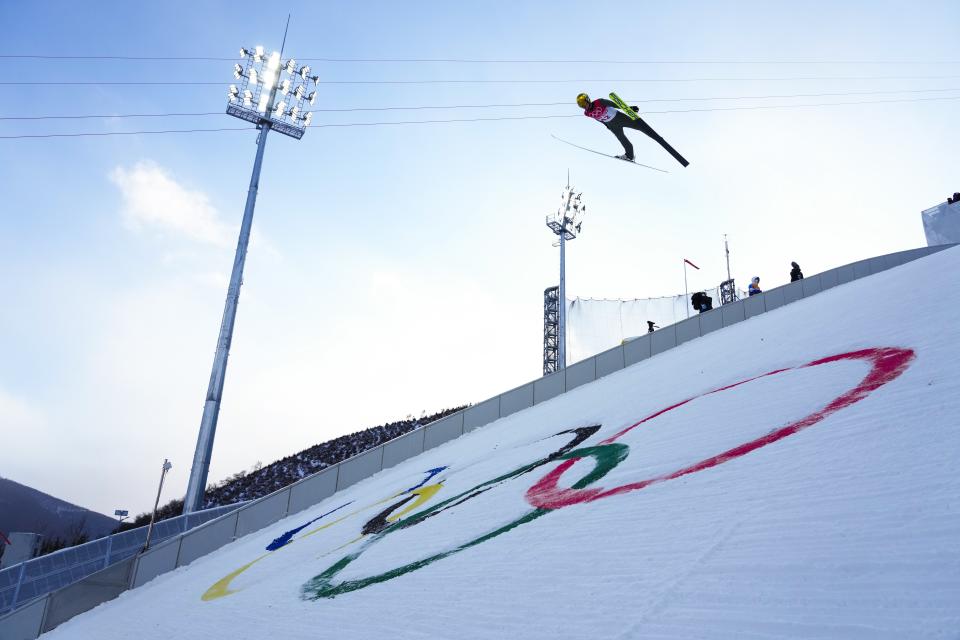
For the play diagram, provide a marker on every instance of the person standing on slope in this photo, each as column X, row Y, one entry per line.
column 606, row 112
column 795, row 273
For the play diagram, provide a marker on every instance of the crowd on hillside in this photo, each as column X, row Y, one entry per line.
column 264, row 480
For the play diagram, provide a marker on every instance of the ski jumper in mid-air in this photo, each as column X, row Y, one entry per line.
column 606, row 112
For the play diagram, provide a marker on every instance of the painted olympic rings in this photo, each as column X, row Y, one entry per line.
column 887, row 363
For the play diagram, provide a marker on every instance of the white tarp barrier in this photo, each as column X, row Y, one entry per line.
column 595, row 325
column 941, row 224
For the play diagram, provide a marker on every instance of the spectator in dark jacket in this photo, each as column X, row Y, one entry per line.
column 795, row 273
column 754, row 287
column 701, row 301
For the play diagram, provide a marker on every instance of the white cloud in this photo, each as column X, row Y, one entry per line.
column 153, row 199
column 26, row 437
column 17, row 415
column 216, row 279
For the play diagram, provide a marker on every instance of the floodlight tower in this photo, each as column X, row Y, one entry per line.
column 253, row 99
column 566, row 224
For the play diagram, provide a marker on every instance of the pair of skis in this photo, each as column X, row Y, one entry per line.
column 647, row 129
column 608, row 155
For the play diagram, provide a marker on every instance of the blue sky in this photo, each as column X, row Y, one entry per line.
column 398, row 269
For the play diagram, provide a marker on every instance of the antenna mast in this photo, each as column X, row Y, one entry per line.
column 726, row 248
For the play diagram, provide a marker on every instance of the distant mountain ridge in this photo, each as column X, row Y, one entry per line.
column 23, row 508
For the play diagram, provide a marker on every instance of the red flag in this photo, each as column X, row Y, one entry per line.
column 691, row 264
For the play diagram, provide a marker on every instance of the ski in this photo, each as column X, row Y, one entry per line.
column 623, row 106
column 600, row 153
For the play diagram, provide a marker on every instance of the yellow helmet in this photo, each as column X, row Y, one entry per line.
column 583, row 100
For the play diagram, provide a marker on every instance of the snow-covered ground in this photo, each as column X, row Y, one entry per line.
column 819, row 501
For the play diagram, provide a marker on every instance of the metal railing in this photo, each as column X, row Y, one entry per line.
column 23, row 582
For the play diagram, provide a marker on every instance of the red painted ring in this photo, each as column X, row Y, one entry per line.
column 888, row 363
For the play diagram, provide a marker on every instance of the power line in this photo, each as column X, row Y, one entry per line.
column 802, row 106
column 580, row 81
column 121, row 133
column 488, row 106
column 110, row 83
column 577, row 115
column 643, row 101
column 494, row 119
column 141, row 58
column 652, row 62
column 121, row 115
column 477, row 60
column 315, row 126
column 487, row 81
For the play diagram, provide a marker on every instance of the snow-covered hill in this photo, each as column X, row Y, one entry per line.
column 792, row 476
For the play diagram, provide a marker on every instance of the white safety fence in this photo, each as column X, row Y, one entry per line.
column 598, row 324
column 941, row 224
column 27, row 580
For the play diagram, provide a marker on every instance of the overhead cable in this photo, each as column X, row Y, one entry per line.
column 486, row 106
column 477, row 81
column 480, row 60
column 493, row 119
column 120, row 133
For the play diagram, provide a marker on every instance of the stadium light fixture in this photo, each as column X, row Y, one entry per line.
column 272, row 71
column 255, row 99
column 257, row 83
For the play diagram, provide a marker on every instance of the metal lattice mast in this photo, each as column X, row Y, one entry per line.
column 566, row 224
column 551, row 321
column 255, row 100
column 728, row 289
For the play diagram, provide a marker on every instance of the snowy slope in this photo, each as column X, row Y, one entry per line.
column 819, row 501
